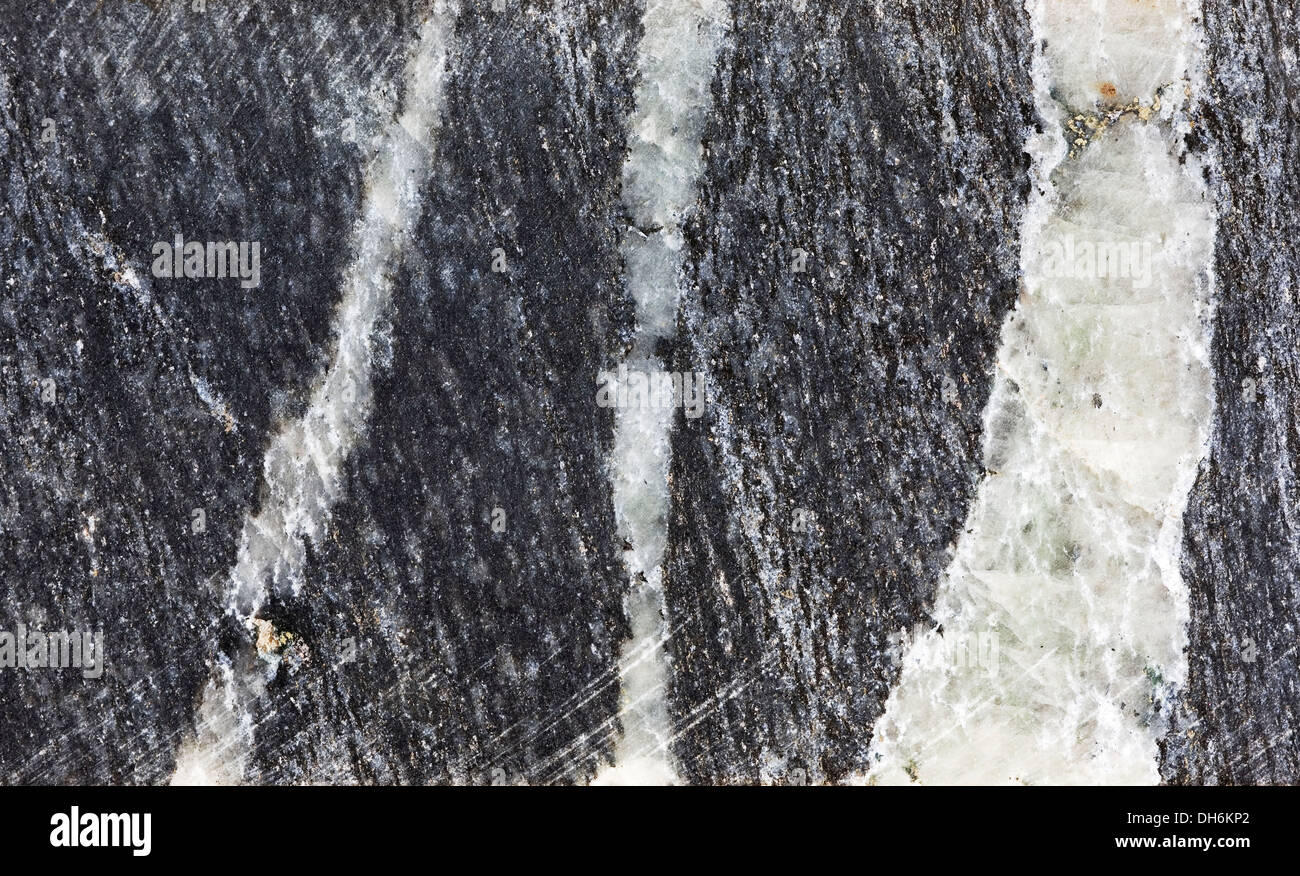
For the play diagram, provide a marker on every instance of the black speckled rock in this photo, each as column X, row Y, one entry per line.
column 1240, row 708
column 165, row 389
column 885, row 140
column 853, row 250
column 484, row 656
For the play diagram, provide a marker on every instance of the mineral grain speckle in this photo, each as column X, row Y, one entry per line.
column 854, row 273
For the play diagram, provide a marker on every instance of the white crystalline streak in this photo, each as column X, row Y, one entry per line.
column 1070, row 555
column 675, row 68
column 302, row 468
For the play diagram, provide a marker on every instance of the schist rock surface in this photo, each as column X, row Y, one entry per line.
column 485, row 653
column 163, row 391
column 816, row 502
column 952, row 507
column 1236, row 721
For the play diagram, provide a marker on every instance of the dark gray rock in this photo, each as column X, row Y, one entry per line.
column 1235, row 719
column 162, row 123
column 886, row 140
column 484, row 656
column 814, row 505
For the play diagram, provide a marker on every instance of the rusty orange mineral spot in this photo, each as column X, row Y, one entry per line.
column 1108, row 90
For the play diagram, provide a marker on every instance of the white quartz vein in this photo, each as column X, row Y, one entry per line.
column 675, row 68
column 1064, row 614
column 303, row 466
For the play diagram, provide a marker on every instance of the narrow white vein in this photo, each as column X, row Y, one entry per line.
column 675, row 68
column 302, row 469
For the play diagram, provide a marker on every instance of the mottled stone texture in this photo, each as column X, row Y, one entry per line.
column 885, row 139
column 484, row 656
column 1236, row 718
column 163, row 123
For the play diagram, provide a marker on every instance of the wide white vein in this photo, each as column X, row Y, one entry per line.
column 1063, row 614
